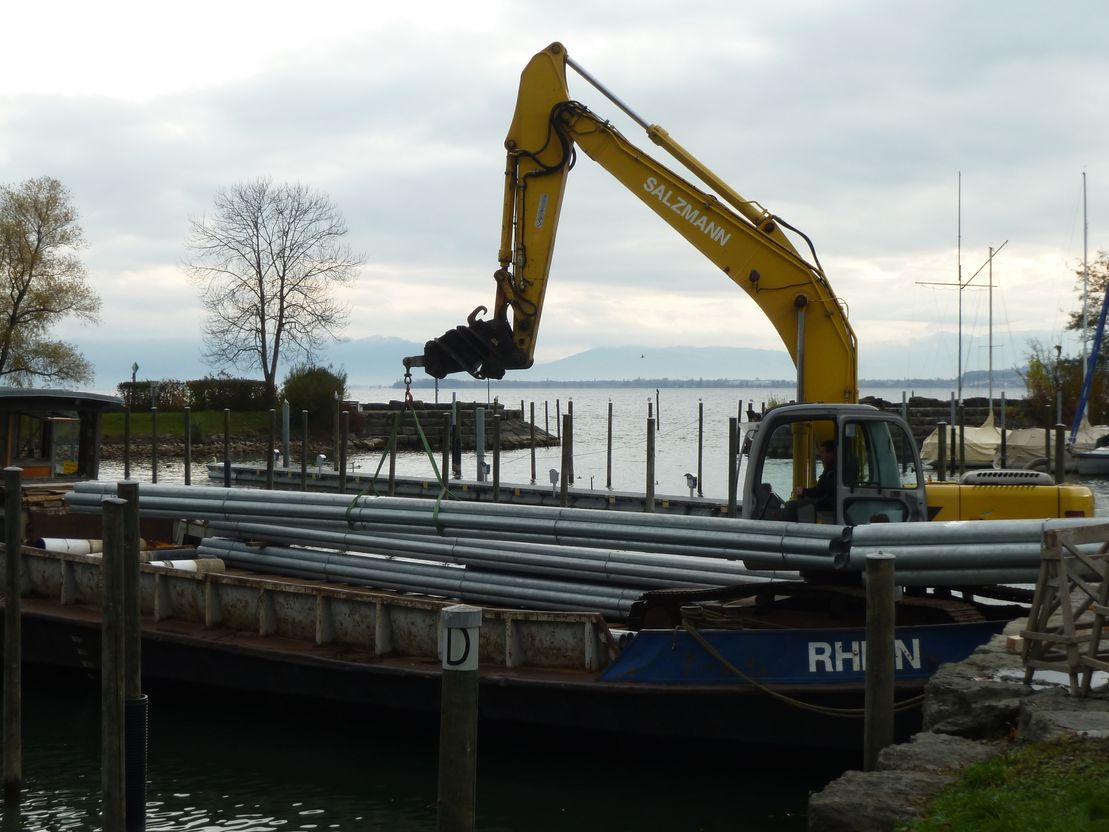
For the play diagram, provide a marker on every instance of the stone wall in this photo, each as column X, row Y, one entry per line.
column 378, row 419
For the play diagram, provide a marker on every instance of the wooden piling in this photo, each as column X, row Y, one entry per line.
column 479, row 443
column 941, row 451
column 456, row 440
column 880, row 621
column 270, row 461
column 344, row 429
column 1060, row 458
column 112, row 666
column 127, row 442
column 567, row 452
column 393, row 455
column 457, row 803
column 286, row 457
column 608, row 452
column 496, row 457
column 700, row 446
column 446, row 447
column 531, row 428
column 188, row 446
column 962, row 438
column 226, row 447
column 135, row 702
column 733, row 470
column 154, row 444
column 570, row 413
column 304, row 450
column 649, row 494
column 13, row 637
column 1004, row 444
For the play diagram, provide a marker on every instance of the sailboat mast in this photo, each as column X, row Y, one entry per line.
column 990, row 363
column 959, row 266
column 1085, row 280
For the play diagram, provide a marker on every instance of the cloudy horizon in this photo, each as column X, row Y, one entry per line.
column 904, row 140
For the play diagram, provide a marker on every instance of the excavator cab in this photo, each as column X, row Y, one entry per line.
column 876, row 475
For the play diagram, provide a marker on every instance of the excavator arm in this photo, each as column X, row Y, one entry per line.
column 746, row 242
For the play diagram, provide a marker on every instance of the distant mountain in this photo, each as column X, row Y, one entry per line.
column 624, row 363
column 376, row 361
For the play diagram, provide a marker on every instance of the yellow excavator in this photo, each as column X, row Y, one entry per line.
column 749, row 244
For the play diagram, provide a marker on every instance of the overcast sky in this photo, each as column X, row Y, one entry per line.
column 851, row 120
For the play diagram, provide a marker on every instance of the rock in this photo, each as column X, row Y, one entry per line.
column 936, row 753
column 908, row 776
column 873, row 801
column 1053, row 714
column 979, row 697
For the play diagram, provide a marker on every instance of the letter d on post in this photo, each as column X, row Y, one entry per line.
column 458, row 719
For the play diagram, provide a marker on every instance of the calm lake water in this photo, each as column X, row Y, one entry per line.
column 226, row 762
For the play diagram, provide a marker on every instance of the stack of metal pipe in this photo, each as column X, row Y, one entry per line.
column 586, row 547
column 541, row 557
column 958, row 553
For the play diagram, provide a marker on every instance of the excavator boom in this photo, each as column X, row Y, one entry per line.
column 746, row 242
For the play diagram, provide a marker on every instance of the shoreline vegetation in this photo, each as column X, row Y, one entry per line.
column 697, row 383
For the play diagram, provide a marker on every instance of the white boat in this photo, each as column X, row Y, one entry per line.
column 980, row 445
column 1093, row 462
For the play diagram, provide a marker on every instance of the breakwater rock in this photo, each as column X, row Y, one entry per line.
column 973, row 709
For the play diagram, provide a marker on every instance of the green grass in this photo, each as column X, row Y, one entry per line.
column 205, row 423
column 1058, row 786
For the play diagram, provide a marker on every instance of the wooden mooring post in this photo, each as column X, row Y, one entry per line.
column 135, row 703
column 733, row 470
column 304, row 450
column 226, row 447
column 271, row 449
column 567, row 434
column 127, row 442
column 341, row 457
column 531, row 429
column 13, row 637
column 112, row 667
column 496, row 457
column 457, row 804
column 880, row 621
column 700, row 447
column 188, row 446
column 649, row 493
column 941, row 451
column 154, row 444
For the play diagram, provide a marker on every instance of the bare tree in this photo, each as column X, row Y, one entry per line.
column 42, row 281
column 266, row 263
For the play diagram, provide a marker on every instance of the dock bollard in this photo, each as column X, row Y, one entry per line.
column 13, row 639
column 458, row 719
column 880, row 622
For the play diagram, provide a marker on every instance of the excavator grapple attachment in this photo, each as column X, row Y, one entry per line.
column 482, row 348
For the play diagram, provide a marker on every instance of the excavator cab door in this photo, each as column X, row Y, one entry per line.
column 881, row 479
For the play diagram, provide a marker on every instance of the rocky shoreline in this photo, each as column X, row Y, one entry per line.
column 240, row 448
column 973, row 710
